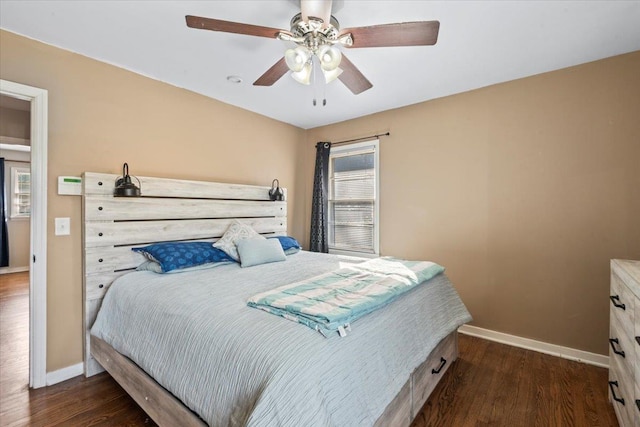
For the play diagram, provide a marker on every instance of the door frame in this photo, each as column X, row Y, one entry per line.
column 38, row 221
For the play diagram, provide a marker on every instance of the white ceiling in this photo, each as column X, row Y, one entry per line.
column 480, row 43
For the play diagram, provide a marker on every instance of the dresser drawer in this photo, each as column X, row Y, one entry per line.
column 636, row 406
column 622, row 303
column 622, row 346
column 636, row 345
column 621, row 393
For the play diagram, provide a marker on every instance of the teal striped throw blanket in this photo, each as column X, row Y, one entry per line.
column 331, row 301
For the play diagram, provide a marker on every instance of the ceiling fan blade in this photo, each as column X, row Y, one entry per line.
column 422, row 33
column 201, row 23
column 352, row 77
column 273, row 74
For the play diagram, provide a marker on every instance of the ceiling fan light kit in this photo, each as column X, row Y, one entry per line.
column 330, row 76
column 304, row 75
column 329, row 56
column 317, row 35
column 297, row 58
column 300, row 62
column 314, row 39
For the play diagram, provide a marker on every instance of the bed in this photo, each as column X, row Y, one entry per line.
column 224, row 363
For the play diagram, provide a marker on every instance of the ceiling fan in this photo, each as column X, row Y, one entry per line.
column 317, row 33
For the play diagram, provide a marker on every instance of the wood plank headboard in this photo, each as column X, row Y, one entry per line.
column 168, row 210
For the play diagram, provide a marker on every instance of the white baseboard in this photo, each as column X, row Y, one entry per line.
column 64, row 374
column 539, row 346
column 7, row 270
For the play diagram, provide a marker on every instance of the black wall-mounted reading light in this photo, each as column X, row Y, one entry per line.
column 124, row 186
column 276, row 193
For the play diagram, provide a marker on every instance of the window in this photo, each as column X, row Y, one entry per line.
column 20, row 193
column 353, row 198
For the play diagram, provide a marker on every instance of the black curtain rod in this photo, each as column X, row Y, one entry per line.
column 361, row 139
column 16, row 161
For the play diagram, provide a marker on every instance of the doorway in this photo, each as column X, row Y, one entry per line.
column 15, row 169
column 38, row 225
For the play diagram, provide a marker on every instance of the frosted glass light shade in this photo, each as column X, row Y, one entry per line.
column 329, row 56
column 330, row 76
column 304, row 75
column 296, row 58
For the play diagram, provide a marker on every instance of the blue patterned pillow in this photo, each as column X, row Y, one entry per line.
column 176, row 255
column 289, row 244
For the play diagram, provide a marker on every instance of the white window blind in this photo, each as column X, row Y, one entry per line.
column 353, row 198
column 20, row 192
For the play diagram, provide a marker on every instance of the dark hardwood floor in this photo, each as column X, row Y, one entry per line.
column 493, row 384
column 490, row 384
column 77, row 402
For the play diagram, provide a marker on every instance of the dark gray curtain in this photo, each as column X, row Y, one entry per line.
column 4, row 236
column 320, row 202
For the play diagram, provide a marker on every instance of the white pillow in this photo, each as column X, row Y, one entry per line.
column 259, row 251
column 236, row 232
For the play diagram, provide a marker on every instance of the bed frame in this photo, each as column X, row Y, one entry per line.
column 179, row 210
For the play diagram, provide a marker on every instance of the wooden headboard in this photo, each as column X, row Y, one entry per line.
column 168, row 210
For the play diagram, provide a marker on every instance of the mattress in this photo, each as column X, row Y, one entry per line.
column 238, row 366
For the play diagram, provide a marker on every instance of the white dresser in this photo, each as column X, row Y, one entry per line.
column 624, row 340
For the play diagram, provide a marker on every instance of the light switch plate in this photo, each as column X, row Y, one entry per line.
column 63, row 226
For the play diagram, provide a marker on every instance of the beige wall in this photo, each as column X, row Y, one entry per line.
column 523, row 190
column 15, row 123
column 101, row 116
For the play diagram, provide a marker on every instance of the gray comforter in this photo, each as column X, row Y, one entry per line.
column 235, row 366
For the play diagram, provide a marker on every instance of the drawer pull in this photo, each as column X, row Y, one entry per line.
column 613, row 393
column 443, row 362
column 613, row 341
column 615, row 299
